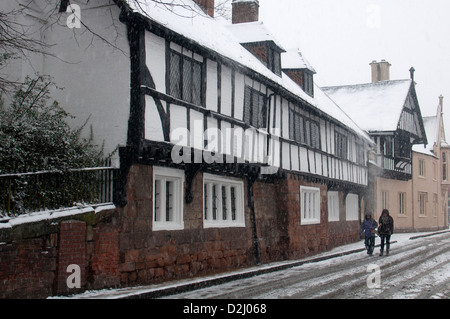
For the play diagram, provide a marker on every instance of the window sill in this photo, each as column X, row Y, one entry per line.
column 223, row 225
column 310, row 222
column 167, row 227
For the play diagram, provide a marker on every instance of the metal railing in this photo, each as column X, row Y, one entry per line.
column 27, row 192
column 399, row 164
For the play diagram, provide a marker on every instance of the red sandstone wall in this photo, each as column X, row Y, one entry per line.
column 148, row 256
column 118, row 247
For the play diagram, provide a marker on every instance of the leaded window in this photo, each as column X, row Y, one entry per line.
column 185, row 78
column 254, row 108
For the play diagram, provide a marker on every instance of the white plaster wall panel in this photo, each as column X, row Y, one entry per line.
column 176, row 47
column 179, row 133
column 274, row 152
column 303, row 159
column 277, row 123
column 261, row 147
column 155, row 56
column 285, row 119
column 238, row 142
column 332, row 167
column 338, row 167
column 211, row 85
column 249, row 81
column 213, row 140
column 332, row 149
column 211, row 122
column 249, row 145
column 350, row 148
column 347, row 172
column 323, row 136
column 325, row 166
column 239, row 96
column 153, row 124
column 196, row 129
column 286, row 157
column 226, row 143
column 294, row 158
column 318, row 159
column 226, row 91
column 312, row 162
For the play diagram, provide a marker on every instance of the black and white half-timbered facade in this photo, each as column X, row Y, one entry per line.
column 226, row 130
column 389, row 111
column 230, row 155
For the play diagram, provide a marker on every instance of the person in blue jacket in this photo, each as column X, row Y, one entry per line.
column 368, row 227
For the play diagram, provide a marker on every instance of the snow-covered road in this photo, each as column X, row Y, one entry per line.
column 416, row 268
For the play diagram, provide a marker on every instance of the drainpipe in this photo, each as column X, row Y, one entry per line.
column 269, row 107
column 251, row 178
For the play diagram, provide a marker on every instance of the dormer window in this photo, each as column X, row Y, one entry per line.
column 299, row 70
column 274, row 60
column 308, row 84
column 255, row 37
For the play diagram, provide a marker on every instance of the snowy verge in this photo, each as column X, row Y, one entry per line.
column 53, row 214
column 182, row 285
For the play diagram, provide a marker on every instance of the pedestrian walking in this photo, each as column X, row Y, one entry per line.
column 368, row 227
column 385, row 230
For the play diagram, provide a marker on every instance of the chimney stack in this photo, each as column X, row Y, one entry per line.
column 380, row 71
column 245, row 11
column 207, row 6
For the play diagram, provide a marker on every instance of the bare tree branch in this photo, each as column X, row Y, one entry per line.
column 18, row 40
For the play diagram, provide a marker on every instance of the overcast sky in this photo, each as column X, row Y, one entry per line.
column 341, row 37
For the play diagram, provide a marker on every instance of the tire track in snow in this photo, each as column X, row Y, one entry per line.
column 340, row 277
column 396, row 273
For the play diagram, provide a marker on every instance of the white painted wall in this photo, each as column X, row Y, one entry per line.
column 93, row 71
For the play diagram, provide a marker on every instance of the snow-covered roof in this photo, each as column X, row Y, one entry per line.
column 294, row 59
column 431, row 125
column 250, row 32
column 328, row 106
column 213, row 34
column 374, row 106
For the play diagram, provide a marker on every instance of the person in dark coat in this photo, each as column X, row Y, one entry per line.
column 385, row 230
column 368, row 227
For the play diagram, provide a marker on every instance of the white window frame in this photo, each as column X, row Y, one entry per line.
column 333, row 206
column 422, row 171
column 423, row 199
column 220, row 183
column 175, row 176
column 309, row 205
column 351, row 207
column 402, row 203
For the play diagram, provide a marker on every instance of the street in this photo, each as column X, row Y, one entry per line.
column 416, row 268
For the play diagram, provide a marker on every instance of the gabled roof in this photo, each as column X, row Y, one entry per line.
column 431, row 124
column 214, row 35
column 374, row 106
column 434, row 128
column 251, row 32
column 294, row 59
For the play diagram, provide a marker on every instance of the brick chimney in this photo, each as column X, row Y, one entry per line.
column 380, row 71
column 245, row 11
column 207, row 6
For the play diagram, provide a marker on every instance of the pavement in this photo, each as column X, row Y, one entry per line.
column 179, row 286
